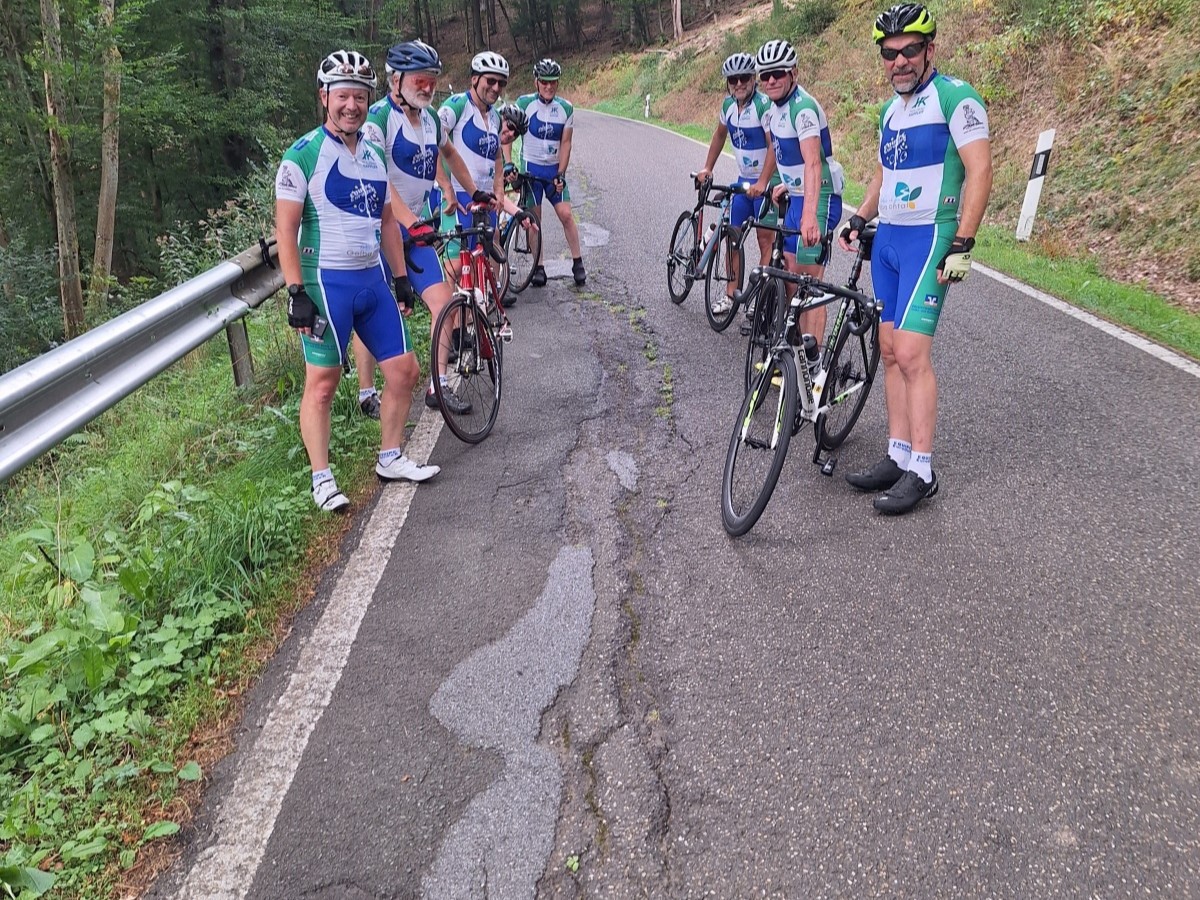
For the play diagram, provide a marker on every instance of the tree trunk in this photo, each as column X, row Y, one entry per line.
column 475, row 27
column 10, row 289
column 491, row 18
column 677, row 18
column 63, row 184
column 106, row 212
column 508, row 22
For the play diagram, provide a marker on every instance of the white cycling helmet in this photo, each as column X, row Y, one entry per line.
column 775, row 54
column 489, row 63
column 346, row 68
column 738, row 64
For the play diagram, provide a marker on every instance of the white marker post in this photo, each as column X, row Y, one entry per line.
column 1033, row 191
column 646, row 114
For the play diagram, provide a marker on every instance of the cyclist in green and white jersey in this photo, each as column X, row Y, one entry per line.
column 546, row 154
column 413, row 141
column 930, row 190
column 743, row 120
column 332, row 216
column 811, row 176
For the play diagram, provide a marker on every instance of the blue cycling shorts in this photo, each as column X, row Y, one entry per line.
column 421, row 257
column 904, row 260
column 544, row 174
column 354, row 300
column 829, row 213
column 464, row 217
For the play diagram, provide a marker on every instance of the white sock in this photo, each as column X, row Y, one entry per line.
column 322, row 475
column 900, row 451
column 922, row 465
column 364, row 393
column 386, row 456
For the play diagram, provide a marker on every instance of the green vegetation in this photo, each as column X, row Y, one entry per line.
column 144, row 563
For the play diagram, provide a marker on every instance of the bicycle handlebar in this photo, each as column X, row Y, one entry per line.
column 828, row 291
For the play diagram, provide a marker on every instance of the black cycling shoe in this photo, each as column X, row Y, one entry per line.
column 906, row 493
column 431, row 399
column 579, row 274
column 538, row 279
column 879, row 477
column 369, row 406
column 455, row 404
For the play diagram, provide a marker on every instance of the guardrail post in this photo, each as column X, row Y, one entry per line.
column 239, row 353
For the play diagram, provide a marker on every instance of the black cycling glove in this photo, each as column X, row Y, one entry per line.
column 406, row 297
column 301, row 311
column 856, row 223
column 482, row 197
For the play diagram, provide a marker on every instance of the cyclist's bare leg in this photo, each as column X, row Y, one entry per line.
column 570, row 229
column 765, row 240
column 812, row 321
column 912, row 366
column 320, row 384
column 364, row 362
column 436, row 297
column 400, row 374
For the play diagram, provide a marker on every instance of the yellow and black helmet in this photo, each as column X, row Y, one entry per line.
column 904, row 18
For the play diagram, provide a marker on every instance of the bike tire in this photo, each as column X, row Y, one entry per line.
column 717, row 278
column 681, row 256
column 770, row 304
column 852, row 367
column 475, row 374
column 759, row 445
column 524, row 250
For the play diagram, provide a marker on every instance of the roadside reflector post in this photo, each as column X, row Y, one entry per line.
column 646, row 114
column 1033, row 191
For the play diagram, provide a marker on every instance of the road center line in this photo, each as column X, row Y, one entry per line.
column 225, row 869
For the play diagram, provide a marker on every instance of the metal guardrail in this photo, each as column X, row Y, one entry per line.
column 51, row 397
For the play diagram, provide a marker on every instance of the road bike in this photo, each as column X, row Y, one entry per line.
column 522, row 246
column 794, row 384
column 473, row 328
column 716, row 254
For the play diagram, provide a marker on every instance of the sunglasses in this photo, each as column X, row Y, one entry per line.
column 422, row 80
column 774, row 75
column 739, row 79
column 495, row 82
column 909, row 51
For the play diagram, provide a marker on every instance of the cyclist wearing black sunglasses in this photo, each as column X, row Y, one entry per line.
column 930, row 191
column 811, row 177
column 743, row 120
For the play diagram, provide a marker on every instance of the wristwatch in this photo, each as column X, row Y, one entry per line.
column 294, row 289
column 968, row 244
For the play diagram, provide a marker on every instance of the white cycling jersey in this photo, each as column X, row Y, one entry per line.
column 476, row 137
column 411, row 151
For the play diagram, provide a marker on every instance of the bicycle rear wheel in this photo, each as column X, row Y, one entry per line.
column 759, row 445
column 681, row 258
column 719, row 280
column 524, row 253
column 470, row 396
column 852, row 368
column 771, row 302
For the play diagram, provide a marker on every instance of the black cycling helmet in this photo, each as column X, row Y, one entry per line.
column 904, row 18
column 547, row 70
column 414, row 56
column 515, row 117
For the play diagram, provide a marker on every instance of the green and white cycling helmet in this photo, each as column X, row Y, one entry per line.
column 904, row 18
column 346, row 68
column 489, row 63
column 547, row 70
column 738, row 64
column 774, row 55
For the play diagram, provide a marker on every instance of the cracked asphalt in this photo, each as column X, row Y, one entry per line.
column 993, row 697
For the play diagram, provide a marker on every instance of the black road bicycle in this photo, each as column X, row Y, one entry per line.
column 786, row 391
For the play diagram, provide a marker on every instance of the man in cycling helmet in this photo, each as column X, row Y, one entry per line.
column 332, row 215
column 930, row 191
column 546, row 154
column 473, row 124
column 413, row 142
column 812, row 178
column 743, row 119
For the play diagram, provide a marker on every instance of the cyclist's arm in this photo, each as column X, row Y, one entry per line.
column 459, row 167
column 287, row 239
column 389, row 236
column 564, row 151
column 977, row 186
column 714, row 150
column 442, row 177
column 810, row 150
column 505, row 202
column 764, row 180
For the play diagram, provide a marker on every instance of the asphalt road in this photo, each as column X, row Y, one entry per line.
column 568, row 681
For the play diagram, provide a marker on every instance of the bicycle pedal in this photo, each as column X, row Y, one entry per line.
column 829, row 465
column 506, row 333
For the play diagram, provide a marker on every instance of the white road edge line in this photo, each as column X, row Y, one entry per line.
column 1134, row 340
column 225, row 869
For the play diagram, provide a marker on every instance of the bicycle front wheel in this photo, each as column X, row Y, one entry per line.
column 759, row 445
column 524, row 249
column 681, row 258
column 770, row 303
column 724, row 276
column 852, row 368
column 469, row 397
